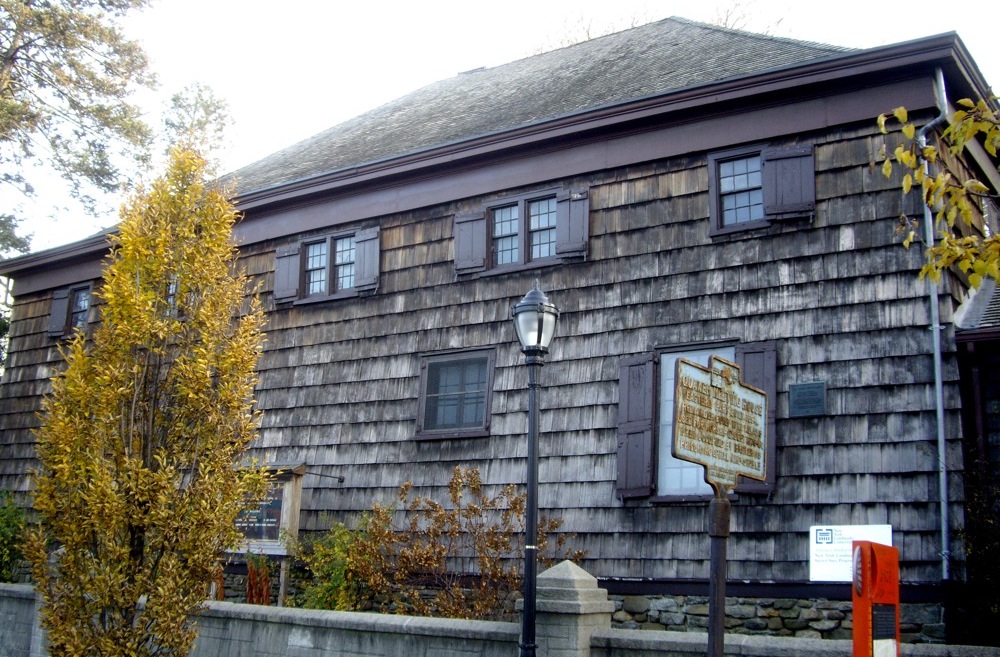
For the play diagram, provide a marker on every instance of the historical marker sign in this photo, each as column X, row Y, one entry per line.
column 720, row 422
column 263, row 522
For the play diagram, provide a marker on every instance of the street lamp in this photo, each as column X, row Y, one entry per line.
column 535, row 323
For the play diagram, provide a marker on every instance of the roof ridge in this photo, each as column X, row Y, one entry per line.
column 762, row 35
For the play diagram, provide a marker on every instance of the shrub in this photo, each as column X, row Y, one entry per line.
column 459, row 561
column 325, row 558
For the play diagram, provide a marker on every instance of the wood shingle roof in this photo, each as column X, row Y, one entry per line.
column 667, row 55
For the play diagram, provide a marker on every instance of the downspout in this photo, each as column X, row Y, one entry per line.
column 936, row 339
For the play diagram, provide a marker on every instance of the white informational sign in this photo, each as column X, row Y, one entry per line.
column 830, row 549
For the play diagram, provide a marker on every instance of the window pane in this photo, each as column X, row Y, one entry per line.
column 79, row 304
column 344, row 257
column 542, row 232
column 674, row 476
column 456, row 394
column 316, row 263
column 506, row 225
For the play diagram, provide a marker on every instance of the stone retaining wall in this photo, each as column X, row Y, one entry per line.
column 786, row 617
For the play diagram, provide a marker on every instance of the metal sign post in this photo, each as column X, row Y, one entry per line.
column 720, row 423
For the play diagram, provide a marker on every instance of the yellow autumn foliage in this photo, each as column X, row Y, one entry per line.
column 949, row 194
column 144, row 430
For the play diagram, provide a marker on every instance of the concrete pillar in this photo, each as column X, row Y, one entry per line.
column 570, row 608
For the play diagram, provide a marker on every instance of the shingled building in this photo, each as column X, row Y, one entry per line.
column 678, row 190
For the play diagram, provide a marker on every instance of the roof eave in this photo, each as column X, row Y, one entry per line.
column 95, row 246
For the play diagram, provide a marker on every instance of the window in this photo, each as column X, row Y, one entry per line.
column 751, row 187
column 522, row 231
column 79, row 307
column 510, row 241
column 70, row 310
column 325, row 275
column 646, row 467
column 327, row 267
column 455, row 394
column 741, row 197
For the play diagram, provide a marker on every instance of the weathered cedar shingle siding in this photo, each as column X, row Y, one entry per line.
column 838, row 297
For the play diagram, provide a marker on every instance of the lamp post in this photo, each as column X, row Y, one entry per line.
column 535, row 323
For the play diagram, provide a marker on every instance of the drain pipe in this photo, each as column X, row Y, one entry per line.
column 936, row 338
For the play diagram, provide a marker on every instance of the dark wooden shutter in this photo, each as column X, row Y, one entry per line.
column 59, row 313
column 286, row 273
column 572, row 223
column 470, row 242
column 758, row 365
column 636, row 426
column 789, row 181
column 366, row 243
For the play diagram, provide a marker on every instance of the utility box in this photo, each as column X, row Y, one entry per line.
column 875, row 593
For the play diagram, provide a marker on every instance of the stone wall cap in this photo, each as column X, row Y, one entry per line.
column 566, row 575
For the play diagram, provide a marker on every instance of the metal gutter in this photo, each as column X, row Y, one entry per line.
column 936, row 340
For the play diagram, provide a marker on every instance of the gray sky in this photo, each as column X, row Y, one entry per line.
column 293, row 68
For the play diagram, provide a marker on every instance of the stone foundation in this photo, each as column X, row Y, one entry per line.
column 810, row 619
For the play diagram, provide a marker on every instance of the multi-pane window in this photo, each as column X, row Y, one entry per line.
column 741, row 194
column 79, row 306
column 343, row 264
column 542, row 228
column 316, row 266
column 536, row 236
column 536, row 229
column 455, row 394
column 506, row 226
column 319, row 271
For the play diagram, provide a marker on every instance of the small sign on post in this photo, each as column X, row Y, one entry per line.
column 721, row 423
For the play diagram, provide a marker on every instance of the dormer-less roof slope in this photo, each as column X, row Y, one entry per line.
column 652, row 59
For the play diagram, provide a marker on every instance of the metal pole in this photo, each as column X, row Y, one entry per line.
column 531, row 516
column 718, row 529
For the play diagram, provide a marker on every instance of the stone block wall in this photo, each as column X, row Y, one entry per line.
column 573, row 621
column 787, row 617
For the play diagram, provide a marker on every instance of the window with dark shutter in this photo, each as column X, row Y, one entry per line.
column 646, row 466
column 326, row 267
column 749, row 187
column 636, row 424
column 70, row 310
column 518, row 232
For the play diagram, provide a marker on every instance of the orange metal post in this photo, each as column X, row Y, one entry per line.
column 875, row 593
